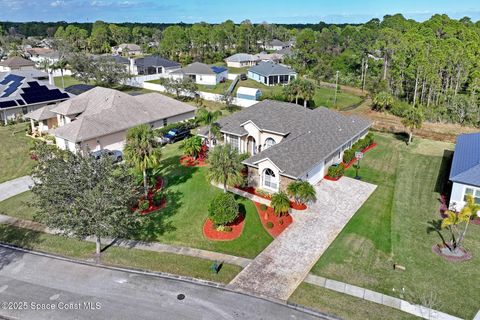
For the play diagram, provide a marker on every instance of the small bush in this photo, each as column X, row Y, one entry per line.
column 348, row 155
column 224, row 229
column 263, row 207
column 269, row 225
column 143, row 205
column 336, row 171
column 263, row 193
column 157, row 198
column 223, row 209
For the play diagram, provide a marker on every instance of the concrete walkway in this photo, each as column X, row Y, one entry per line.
column 13, row 187
column 245, row 194
column 284, row 264
column 147, row 246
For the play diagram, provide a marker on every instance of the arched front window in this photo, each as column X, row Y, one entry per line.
column 269, row 143
column 269, row 179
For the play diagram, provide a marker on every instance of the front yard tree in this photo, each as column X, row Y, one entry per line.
column 412, row 119
column 142, row 151
column 81, row 196
column 302, row 191
column 280, row 203
column 223, row 209
column 208, row 118
column 225, row 166
column 192, row 146
column 179, row 87
column 457, row 223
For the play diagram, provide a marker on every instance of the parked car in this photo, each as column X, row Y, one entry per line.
column 115, row 155
column 243, row 77
column 175, row 135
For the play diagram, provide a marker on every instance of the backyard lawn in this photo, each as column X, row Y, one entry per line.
column 220, row 88
column 391, row 228
column 14, row 152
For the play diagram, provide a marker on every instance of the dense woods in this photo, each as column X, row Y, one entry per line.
column 431, row 65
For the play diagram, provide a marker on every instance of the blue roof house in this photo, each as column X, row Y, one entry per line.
column 465, row 171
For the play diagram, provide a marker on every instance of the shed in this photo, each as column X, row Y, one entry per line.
column 249, row 93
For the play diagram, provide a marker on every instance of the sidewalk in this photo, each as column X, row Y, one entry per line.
column 13, row 187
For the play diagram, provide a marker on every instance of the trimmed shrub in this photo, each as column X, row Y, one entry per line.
column 223, row 209
column 336, row 171
column 143, row 205
column 224, row 228
column 263, row 207
column 348, row 155
column 269, row 225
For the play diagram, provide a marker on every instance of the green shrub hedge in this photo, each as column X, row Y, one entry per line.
column 190, row 124
column 336, row 171
column 361, row 144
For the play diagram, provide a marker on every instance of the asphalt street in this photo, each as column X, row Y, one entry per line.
column 39, row 287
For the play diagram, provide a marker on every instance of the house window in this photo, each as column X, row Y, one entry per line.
column 235, row 142
column 269, row 143
column 474, row 193
column 165, row 122
column 269, row 179
column 24, row 110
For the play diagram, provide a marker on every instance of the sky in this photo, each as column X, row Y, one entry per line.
column 214, row 11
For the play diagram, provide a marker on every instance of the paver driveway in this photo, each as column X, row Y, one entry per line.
column 282, row 266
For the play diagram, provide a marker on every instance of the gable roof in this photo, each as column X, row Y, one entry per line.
column 466, row 160
column 130, row 46
column 269, row 68
column 240, row 57
column 19, row 89
column 200, row 68
column 105, row 111
column 309, row 136
column 17, row 62
column 277, row 43
column 156, row 61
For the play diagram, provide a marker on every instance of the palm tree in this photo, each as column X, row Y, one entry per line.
column 412, row 119
column 60, row 65
column 382, row 101
column 225, row 166
column 208, row 118
column 280, row 203
column 192, row 146
column 302, row 191
column 307, row 91
column 142, row 151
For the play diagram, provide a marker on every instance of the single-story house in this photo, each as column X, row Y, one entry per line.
column 287, row 142
column 24, row 91
column 99, row 118
column 39, row 55
column 241, row 60
column 249, row 93
column 16, row 64
column 465, row 170
column 43, row 119
column 127, row 49
column 153, row 65
column 270, row 73
column 202, row 73
column 276, row 44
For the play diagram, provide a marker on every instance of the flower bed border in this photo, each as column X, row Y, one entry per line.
column 348, row 165
column 152, row 208
column 467, row 255
column 277, row 228
column 298, row 206
column 188, row 161
column 237, row 226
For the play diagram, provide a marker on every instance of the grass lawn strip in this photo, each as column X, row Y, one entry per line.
column 14, row 153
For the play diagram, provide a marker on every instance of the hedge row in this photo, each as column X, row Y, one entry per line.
column 336, row 171
column 361, row 144
column 189, row 124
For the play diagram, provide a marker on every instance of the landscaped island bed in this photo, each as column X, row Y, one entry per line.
column 391, row 228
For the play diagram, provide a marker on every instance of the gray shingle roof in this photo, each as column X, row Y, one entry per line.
column 268, row 68
column 17, row 62
column 43, row 113
column 241, row 57
column 310, row 136
column 105, row 111
column 196, row 68
column 466, row 160
column 156, row 61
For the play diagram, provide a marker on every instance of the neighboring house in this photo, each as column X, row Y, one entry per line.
column 202, row 73
column 465, row 171
column 42, row 119
column 270, row 57
column 39, row 55
column 24, row 91
column 287, row 142
column 16, row 64
column 249, row 93
column 77, row 89
column 127, row 49
column 241, row 60
column 270, row 73
column 276, row 44
column 99, row 118
column 152, row 65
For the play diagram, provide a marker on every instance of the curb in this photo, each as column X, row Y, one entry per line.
column 174, row 277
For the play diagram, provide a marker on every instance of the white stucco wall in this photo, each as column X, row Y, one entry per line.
column 10, row 113
column 458, row 194
column 267, row 164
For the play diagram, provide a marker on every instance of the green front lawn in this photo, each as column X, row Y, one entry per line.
column 14, row 152
column 18, row 206
column 116, row 256
column 68, row 81
column 391, row 228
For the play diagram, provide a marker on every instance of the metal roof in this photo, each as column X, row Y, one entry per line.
column 466, row 160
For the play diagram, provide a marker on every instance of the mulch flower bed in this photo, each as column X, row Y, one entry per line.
column 348, row 165
column 152, row 207
column 437, row 249
column 253, row 191
column 279, row 223
column 298, row 206
column 188, row 161
column 211, row 233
